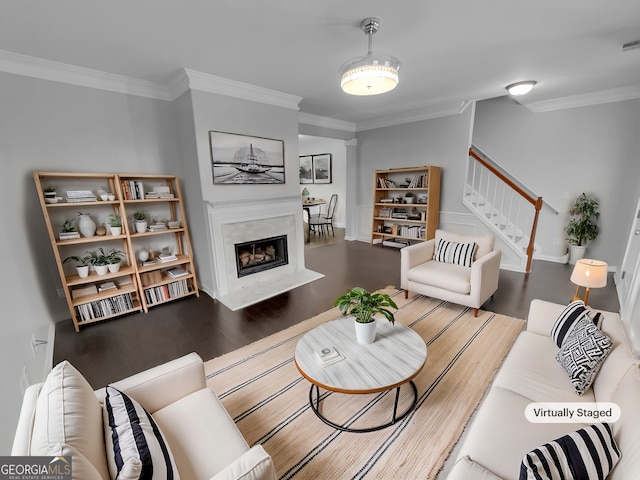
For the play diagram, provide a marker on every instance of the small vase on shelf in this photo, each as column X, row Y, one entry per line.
column 86, row 225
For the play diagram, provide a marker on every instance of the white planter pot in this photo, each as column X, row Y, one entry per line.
column 101, row 269
column 115, row 230
column 113, row 267
column 86, row 226
column 141, row 226
column 83, row 271
column 365, row 332
column 576, row 252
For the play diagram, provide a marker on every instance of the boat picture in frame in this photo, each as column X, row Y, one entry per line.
column 240, row 159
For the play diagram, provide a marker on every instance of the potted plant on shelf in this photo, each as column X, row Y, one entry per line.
column 82, row 263
column 114, row 257
column 50, row 194
column 141, row 222
column 362, row 305
column 114, row 220
column 582, row 225
column 99, row 261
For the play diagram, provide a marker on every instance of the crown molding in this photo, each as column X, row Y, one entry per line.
column 453, row 108
column 24, row 65
column 326, row 122
column 586, row 99
column 204, row 82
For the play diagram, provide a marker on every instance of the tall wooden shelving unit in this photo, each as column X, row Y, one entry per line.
column 397, row 223
column 130, row 295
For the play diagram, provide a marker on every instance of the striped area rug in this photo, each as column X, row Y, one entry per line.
column 265, row 394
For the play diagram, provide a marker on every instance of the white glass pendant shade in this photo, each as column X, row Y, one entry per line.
column 370, row 74
column 373, row 73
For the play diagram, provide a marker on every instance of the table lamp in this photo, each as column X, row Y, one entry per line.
column 589, row 274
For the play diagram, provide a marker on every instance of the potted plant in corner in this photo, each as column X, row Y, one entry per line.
column 363, row 305
column 141, row 222
column 114, row 220
column 582, row 226
column 82, row 263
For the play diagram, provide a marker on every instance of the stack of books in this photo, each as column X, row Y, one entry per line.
column 162, row 192
column 84, row 291
column 75, row 196
column 154, row 227
column 107, row 286
column 328, row 356
column 68, row 235
column 177, row 272
column 167, row 257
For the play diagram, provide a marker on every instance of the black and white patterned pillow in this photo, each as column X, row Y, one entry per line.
column 454, row 252
column 582, row 353
column 566, row 320
column 590, row 452
column 136, row 448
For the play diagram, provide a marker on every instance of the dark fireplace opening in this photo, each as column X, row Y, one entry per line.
column 259, row 255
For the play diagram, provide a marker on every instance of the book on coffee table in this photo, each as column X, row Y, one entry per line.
column 328, row 355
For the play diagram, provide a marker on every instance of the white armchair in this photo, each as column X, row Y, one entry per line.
column 447, row 277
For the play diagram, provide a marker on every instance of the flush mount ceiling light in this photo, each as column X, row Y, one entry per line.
column 372, row 73
column 520, row 88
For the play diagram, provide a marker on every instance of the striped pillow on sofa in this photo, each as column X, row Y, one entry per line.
column 454, row 252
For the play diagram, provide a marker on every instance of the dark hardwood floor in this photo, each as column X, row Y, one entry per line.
column 108, row 351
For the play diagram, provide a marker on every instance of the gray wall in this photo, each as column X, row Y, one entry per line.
column 564, row 153
column 442, row 142
column 51, row 126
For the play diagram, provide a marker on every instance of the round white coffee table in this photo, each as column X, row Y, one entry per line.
column 395, row 358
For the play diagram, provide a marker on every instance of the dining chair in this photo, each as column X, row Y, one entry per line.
column 322, row 222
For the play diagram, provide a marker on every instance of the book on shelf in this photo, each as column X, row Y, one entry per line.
column 328, row 356
column 75, row 196
column 68, row 235
column 177, row 272
column 84, row 291
column 166, row 257
column 154, row 227
column 102, row 287
column 396, row 243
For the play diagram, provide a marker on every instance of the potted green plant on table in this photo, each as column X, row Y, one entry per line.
column 114, row 220
column 141, row 221
column 582, row 225
column 363, row 306
column 82, row 263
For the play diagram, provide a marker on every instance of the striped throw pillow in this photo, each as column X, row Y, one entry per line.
column 454, row 252
column 590, row 452
column 136, row 447
column 566, row 319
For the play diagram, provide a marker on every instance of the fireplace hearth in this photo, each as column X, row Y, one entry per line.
column 260, row 255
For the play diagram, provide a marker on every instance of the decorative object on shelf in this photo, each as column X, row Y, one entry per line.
column 408, row 197
column 363, row 305
column 143, row 255
column 114, row 220
column 50, row 192
column 373, row 73
column 582, row 225
column 104, row 196
column 83, row 263
column 68, row 231
column 111, row 197
column 141, row 222
column 173, row 223
column 589, row 274
column 100, row 261
column 101, row 230
column 86, row 225
column 244, row 159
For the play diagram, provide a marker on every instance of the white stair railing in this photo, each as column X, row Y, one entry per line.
column 504, row 206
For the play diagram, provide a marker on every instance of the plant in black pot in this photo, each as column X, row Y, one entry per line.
column 363, row 306
column 582, row 225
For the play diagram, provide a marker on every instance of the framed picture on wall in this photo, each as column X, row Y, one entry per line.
column 240, row 159
column 306, row 169
column 322, row 168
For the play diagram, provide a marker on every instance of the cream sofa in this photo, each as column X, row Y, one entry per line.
column 469, row 286
column 500, row 435
column 64, row 416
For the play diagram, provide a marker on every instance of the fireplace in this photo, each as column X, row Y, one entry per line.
column 260, row 255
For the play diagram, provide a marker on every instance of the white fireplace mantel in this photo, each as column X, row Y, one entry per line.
column 237, row 221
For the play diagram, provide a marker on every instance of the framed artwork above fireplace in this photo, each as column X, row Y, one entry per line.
column 244, row 159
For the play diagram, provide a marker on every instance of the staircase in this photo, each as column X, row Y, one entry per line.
column 503, row 205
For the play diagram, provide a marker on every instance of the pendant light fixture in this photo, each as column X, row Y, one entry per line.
column 372, row 73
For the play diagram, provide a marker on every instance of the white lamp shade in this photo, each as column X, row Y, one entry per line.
column 589, row 273
column 370, row 74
